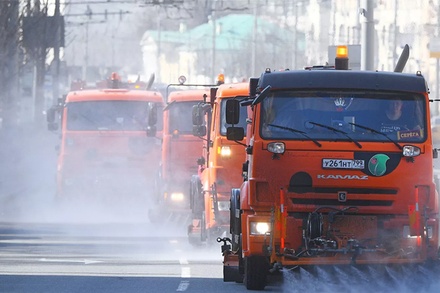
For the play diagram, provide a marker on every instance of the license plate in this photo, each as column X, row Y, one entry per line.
column 342, row 164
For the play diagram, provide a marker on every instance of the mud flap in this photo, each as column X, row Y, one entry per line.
column 256, row 269
column 231, row 271
column 194, row 233
column 232, row 274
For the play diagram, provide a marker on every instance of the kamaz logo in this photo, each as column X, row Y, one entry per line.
column 344, row 177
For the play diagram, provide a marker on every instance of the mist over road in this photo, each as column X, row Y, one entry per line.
column 49, row 247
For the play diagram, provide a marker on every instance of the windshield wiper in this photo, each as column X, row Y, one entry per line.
column 295, row 131
column 169, row 105
column 88, row 119
column 338, row 131
column 376, row 132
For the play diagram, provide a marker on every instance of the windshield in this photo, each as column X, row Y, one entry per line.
column 362, row 116
column 180, row 117
column 108, row 115
column 224, row 125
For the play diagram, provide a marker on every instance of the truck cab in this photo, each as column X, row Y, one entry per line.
column 220, row 164
column 109, row 147
column 329, row 181
column 179, row 154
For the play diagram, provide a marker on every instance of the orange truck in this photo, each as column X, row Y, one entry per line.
column 109, row 142
column 327, row 182
column 180, row 151
column 220, row 166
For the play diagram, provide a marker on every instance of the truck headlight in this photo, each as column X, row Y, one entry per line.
column 224, row 151
column 260, row 228
column 410, row 151
column 177, row 196
column 276, row 147
column 406, row 233
column 223, row 205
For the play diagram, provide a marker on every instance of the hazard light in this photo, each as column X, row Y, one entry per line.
column 220, row 79
column 115, row 80
column 341, row 60
column 342, row 52
column 115, row 76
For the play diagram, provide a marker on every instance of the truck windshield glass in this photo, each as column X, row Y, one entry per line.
column 224, row 125
column 363, row 116
column 108, row 115
column 180, row 117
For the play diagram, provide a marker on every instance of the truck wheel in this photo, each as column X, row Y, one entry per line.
column 191, row 192
column 158, row 190
column 255, row 272
column 197, row 201
column 235, row 218
column 203, row 230
column 197, row 234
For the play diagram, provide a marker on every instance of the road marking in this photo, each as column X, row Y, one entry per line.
column 85, row 261
column 185, row 272
column 183, row 286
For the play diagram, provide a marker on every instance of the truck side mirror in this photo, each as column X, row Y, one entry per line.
column 253, row 84
column 151, row 131
column 232, row 111
column 198, row 115
column 50, row 118
column 199, row 130
column 212, row 95
column 52, row 126
column 50, row 115
column 152, row 115
column 235, row 133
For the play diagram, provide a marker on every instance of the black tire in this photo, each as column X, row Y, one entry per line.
column 156, row 206
column 191, row 192
column 197, row 200
column 203, row 230
column 255, row 272
column 235, row 218
column 158, row 188
column 197, row 204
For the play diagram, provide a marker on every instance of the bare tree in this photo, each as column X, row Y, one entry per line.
column 35, row 42
column 8, row 60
